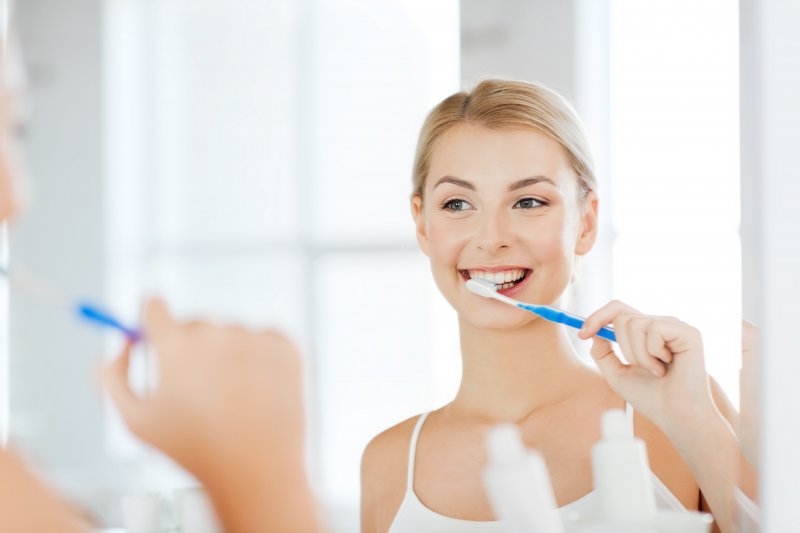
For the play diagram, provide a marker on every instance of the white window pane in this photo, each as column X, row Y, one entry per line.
column 378, row 68
column 675, row 114
column 222, row 107
column 379, row 359
column 256, row 289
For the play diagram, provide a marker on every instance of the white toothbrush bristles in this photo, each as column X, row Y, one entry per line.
column 482, row 287
column 487, row 289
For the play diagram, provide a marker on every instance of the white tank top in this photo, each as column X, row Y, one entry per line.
column 414, row 517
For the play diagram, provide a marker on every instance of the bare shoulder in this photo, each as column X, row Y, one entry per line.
column 384, row 464
column 386, row 450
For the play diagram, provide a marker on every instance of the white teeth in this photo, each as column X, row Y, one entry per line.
column 503, row 280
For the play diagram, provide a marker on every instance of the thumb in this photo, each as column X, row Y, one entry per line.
column 607, row 361
column 114, row 377
column 157, row 319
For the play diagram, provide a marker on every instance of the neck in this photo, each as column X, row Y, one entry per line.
column 506, row 375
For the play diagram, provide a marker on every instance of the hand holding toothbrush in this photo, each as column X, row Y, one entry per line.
column 665, row 380
column 663, row 374
column 228, row 407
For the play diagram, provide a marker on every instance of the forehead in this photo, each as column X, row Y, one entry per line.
column 483, row 155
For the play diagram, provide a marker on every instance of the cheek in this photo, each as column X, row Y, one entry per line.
column 552, row 242
column 446, row 242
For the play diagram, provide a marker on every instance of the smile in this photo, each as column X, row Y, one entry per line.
column 503, row 279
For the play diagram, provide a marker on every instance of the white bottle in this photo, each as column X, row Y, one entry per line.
column 621, row 473
column 518, row 485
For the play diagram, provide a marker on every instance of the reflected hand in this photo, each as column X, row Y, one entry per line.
column 665, row 377
column 228, row 408
column 223, row 391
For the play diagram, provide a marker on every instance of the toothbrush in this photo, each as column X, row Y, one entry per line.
column 83, row 309
column 487, row 289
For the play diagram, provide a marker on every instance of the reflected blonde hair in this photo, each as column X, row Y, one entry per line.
column 508, row 104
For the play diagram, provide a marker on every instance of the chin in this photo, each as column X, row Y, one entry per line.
column 511, row 320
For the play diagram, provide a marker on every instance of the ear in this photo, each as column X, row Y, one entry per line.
column 419, row 222
column 588, row 224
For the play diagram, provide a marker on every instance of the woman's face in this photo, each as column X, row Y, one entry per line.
column 502, row 205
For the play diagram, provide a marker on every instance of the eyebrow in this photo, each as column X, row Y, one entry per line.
column 525, row 182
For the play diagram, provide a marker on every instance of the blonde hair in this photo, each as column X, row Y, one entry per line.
column 508, row 104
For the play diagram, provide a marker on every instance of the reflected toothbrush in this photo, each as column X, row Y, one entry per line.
column 487, row 289
column 85, row 310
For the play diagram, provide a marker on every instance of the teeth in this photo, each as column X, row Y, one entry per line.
column 498, row 278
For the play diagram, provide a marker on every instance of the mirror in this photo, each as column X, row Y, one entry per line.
column 263, row 175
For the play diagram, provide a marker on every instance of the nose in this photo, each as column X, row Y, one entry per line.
column 494, row 233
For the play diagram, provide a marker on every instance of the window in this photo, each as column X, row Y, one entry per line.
column 263, row 176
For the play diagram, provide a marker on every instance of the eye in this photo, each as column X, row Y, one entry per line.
column 529, row 203
column 456, row 204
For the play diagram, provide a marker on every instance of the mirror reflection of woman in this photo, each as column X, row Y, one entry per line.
column 252, row 464
column 504, row 189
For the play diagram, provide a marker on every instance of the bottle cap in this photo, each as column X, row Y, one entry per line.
column 504, row 443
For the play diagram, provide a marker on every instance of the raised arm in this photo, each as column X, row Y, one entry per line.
column 665, row 379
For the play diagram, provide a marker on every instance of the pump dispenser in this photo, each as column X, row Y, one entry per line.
column 621, row 473
column 518, row 485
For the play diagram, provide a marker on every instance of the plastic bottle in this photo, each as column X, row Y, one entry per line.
column 621, row 473
column 518, row 485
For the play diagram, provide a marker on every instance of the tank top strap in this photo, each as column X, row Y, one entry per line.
column 629, row 417
column 412, row 452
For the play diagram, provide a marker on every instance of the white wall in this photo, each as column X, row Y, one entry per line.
column 770, row 74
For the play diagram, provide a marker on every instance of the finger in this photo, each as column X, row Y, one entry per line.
column 115, row 379
column 158, row 320
column 607, row 361
column 622, row 331
column 646, row 354
column 602, row 317
column 657, row 344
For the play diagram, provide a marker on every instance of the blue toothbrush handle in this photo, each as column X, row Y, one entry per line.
column 561, row 317
column 93, row 314
column 608, row 334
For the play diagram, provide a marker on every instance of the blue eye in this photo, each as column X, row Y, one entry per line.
column 456, row 204
column 529, row 203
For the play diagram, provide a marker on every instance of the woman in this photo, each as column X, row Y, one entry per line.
column 228, row 407
column 504, row 190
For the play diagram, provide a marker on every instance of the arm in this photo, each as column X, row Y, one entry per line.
column 368, row 523
column 665, row 379
column 228, row 409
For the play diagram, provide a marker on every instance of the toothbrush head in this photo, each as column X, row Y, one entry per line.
column 482, row 287
column 487, row 289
